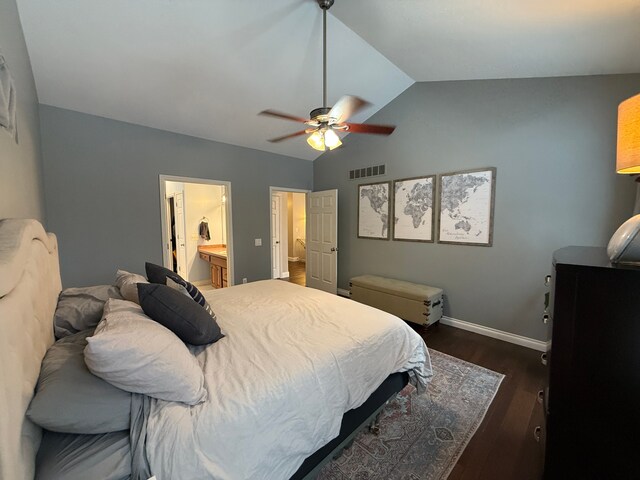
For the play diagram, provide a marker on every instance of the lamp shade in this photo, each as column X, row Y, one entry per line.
column 628, row 158
column 316, row 141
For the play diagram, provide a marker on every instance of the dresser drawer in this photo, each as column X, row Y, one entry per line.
column 204, row 256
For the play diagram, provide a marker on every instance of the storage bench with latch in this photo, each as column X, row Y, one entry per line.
column 410, row 301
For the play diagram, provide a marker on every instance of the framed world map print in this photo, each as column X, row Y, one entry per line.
column 413, row 209
column 373, row 210
column 465, row 214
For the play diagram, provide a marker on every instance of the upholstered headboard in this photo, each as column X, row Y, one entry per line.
column 29, row 288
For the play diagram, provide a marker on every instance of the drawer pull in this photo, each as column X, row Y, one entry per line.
column 540, row 396
column 547, row 280
column 546, row 301
column 543, row 358
column 537, row 432
column 545, row 318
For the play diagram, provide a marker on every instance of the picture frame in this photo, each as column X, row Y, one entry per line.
column 414, row 202
column 374, row 210
column 466, row 207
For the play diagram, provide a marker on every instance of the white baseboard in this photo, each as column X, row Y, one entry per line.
column 284, row 275
column 294, row 259
column 493, row 333
column 344, row 292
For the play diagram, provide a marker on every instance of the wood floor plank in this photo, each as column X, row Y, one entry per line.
column 503, row 447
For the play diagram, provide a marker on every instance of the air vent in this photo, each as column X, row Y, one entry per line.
column 367, row 172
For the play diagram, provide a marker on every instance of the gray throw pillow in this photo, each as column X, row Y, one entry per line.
column 161, row 275
column 81, row 308
column 70, row 399
column 179, row 313
column 127, row 283
column 137, row 354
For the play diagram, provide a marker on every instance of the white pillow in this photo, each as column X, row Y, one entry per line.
column 128, row 285
column 137, row 354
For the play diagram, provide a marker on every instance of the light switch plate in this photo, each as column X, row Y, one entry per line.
column 258, row 242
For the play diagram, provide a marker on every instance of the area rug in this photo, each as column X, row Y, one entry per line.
column 422, row 436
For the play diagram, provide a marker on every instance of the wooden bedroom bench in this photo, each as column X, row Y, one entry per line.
column 413, row 302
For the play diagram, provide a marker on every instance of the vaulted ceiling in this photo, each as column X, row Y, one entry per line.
column 206, row 67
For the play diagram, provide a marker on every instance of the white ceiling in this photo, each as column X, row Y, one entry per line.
column 206, row 67
column 201, row 67
column 479, row 39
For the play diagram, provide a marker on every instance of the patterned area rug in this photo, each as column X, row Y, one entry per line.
column 422, row 436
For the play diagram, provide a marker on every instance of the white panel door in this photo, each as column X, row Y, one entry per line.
column 275, row 237
column 322, row 240
column 181, row 250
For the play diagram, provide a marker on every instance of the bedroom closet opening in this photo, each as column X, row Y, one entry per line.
column 196, row 230
column 288, row 235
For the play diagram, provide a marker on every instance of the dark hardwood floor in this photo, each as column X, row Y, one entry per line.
column 297, row 273
column 504, row 447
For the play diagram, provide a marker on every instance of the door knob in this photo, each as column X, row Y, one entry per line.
column 334, row 249
column 277, row 242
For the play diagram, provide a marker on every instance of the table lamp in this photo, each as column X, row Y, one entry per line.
column 624, row 246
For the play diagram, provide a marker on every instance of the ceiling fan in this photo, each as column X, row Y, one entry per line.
column 324, row 121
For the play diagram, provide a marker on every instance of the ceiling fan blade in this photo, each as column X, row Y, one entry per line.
column 346, row 107
column 285, row 116
column 286, row 137
column 364, row 128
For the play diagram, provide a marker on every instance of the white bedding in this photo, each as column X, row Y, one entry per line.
column 293, row 361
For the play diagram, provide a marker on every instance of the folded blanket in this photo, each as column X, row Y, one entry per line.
column 7, row 100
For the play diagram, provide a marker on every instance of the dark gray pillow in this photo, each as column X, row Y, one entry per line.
column 158, row 274
column 70, row 399
column 81, row 308
column 79, row 457
column 175, row 311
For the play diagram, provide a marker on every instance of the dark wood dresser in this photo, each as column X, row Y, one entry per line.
column 592, row 400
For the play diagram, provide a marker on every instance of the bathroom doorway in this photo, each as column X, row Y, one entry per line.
column 197, row 240
column 288, row 234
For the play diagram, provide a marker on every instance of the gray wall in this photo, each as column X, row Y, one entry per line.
column 102, row 192
column 20, row 164
column 553, row 143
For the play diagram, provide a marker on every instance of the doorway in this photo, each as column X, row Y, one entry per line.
column 288, row 234
column 197, row 239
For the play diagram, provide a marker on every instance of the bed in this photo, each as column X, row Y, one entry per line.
column 297, row 373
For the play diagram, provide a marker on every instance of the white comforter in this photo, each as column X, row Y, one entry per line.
column 294, row 360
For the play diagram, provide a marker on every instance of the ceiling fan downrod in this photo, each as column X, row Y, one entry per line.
column 324, row 5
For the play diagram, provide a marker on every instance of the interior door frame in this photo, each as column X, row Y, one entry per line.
column 183, row 232
column 276, row 206
column 273, row 190
column 162, row 179
column 167, row 252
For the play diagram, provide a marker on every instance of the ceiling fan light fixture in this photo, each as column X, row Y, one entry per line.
column 331, row 139
column 316, row 141
column 323, row 121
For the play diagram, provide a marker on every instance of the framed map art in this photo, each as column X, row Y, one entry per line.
column 465, row 214
column 413, row 205
column 373, row 210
